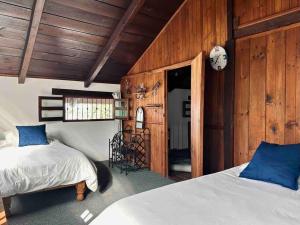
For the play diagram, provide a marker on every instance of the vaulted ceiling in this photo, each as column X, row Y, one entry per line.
column 73, row 34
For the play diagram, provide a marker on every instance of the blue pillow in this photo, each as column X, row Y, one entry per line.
column 278, row 164
column 32, row 135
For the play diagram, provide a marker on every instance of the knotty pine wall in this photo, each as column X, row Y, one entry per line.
column 198, row 26
column 153, row 117
column 267, row 81
column 246, row 11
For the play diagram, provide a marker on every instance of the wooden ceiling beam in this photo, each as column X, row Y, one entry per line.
column 31, row 37
column 113, row 41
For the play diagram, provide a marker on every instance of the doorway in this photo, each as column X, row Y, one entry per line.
column 156, row 113
column 179, row 123
column 195, row 68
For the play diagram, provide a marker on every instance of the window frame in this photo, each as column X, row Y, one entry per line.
column 42, row 108
column 86, row 120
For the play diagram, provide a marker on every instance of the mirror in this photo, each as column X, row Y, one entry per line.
column 139, row 118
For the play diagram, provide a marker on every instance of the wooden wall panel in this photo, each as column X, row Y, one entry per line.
column 257, row 90
column 181, row 40
column 294, row 123
column 275, row 88
column 154, row 117
column 198, row 26
column 241, row 107
column 292, row 86
column 291, row 79
column 251, row 10
column 213, row 150
column 269, row 62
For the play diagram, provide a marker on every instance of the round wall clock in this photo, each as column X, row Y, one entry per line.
column 218, row 58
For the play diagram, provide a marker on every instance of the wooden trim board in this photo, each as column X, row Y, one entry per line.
column 169, row 67
column 80, row 93
column 268, row 23
column 197, row 113
column 229, row 75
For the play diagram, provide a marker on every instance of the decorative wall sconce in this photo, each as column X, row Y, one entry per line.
column 155, row 88
column 141, row 91
column 127, row 87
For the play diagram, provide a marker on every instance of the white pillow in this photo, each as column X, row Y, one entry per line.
column 11, row 138
column 3, row 144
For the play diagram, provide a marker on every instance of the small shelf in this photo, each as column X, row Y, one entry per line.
column 54, row 108
column 121, row 109
column 51, row 108
column 51, row 119
column 154, row 106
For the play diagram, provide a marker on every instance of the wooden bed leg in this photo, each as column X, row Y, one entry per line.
column 7, row 206
column 80, row 189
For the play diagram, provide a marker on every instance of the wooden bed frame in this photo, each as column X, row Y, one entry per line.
column 80, row 190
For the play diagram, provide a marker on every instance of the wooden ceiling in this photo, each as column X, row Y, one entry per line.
column 72, row 35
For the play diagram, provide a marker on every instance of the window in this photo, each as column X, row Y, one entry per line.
column 88, row 109
column 50, row 108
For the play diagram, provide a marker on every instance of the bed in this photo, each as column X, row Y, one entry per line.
column 180, row 160
column 43, row 167
column 218, row 199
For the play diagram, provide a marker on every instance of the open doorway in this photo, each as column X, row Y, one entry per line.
column 179, row 123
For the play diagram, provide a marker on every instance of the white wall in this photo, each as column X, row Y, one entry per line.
column 19, row 106
column 178, row 124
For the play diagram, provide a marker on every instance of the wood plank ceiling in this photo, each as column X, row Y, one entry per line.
column 72, row 34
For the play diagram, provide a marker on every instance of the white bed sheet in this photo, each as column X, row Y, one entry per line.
column 33, row 168
column 219, row 199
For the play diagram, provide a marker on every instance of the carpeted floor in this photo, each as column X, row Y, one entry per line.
column 59, row 207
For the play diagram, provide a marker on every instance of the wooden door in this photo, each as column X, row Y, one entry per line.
column 197, row 114
column 159, row 156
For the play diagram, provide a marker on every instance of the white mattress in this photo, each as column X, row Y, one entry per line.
column 219, row 199
column 33, row 168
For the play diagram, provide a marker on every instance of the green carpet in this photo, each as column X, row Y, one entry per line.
column 59, row 207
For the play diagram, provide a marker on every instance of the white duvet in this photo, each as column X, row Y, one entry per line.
column 33, row 168
column 219, row 199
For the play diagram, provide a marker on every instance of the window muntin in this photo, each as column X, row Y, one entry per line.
column 88, row 109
